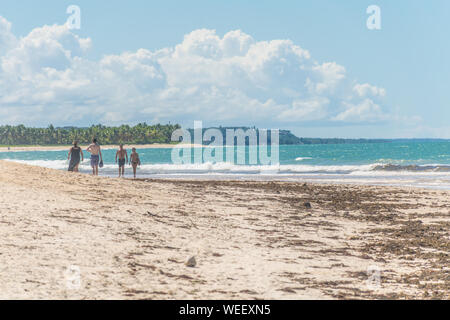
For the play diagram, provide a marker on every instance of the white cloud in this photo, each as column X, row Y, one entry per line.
column 364, row 90
column 305, row 110
column 366, row 111
column 326, row 78
column 45, row 77
column 52, row 47
column 7, row 39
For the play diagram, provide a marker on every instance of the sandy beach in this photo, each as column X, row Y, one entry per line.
column 251, row 240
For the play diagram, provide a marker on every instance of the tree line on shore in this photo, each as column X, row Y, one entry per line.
column 141, row 133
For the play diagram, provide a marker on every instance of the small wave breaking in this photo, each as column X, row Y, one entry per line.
column 413, row 168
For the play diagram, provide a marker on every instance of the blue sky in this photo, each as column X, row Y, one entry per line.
column 407, row 58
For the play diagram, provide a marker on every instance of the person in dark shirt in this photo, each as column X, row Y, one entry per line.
column 74, row 156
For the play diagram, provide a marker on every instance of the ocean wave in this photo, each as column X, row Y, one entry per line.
column 221, row 167
column 413, row 167
column 230, row 168
column 302, row 158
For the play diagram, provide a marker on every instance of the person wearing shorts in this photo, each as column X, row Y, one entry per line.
column 96, row 156
column 121, row 154
column 134, row 160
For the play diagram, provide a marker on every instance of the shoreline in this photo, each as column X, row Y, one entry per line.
column 422, row 180
column 131, row 239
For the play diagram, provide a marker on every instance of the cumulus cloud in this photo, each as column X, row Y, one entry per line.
column 366, row 111
column 45, row 77
column 366, row 89
column 7, row 39
column 49, row 47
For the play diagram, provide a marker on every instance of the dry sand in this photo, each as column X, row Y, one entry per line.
column 251, row 240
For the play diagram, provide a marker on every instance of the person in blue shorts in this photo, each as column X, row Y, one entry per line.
column 121, row 154
column 96, row 156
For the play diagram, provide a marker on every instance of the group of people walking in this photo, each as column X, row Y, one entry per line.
column 76, row 154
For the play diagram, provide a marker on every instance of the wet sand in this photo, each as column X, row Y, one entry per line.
column 251, row 240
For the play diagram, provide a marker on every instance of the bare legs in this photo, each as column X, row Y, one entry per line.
column 121, row 171
column 95, row 170
column 134, row 170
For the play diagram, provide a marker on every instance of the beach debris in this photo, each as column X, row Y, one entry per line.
column 191, row 263
column 307, row 205
column 151, row 214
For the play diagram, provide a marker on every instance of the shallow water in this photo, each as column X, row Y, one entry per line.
column 403, row 164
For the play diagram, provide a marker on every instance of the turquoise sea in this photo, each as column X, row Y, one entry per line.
column 424, row 164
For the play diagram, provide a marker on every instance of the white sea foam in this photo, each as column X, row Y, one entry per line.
column 361, row 174
column 221, row 167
